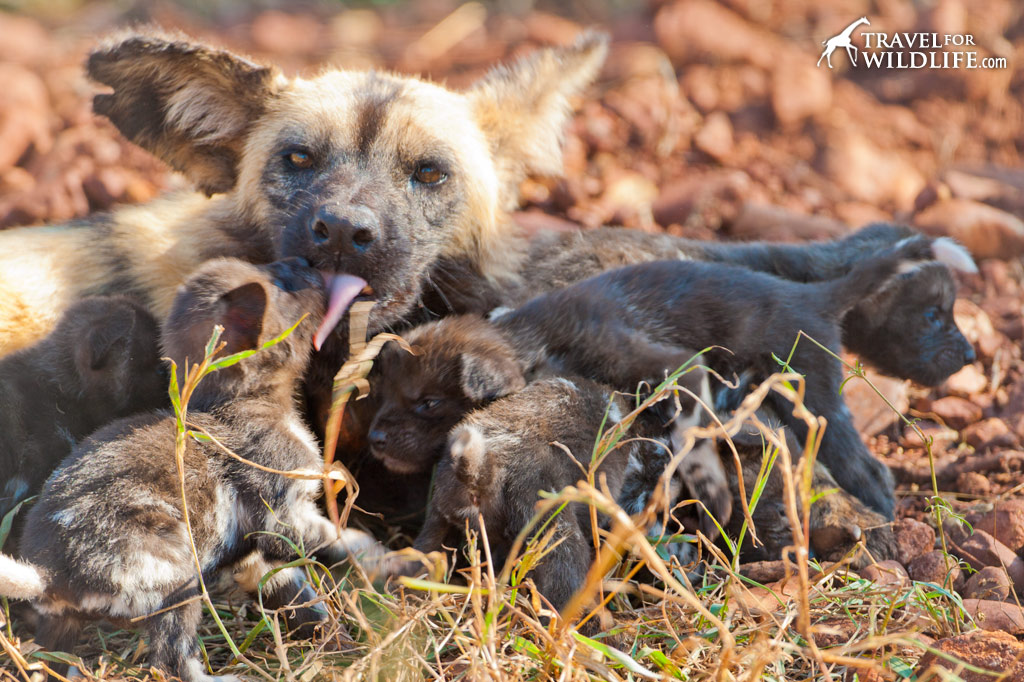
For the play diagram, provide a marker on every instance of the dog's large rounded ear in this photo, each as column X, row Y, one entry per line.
column 486, row 378
column 240, row 311
column 189, row 104
column 523, row 108
column 95, row 350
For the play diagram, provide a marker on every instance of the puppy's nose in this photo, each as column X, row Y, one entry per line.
column 969, row 354
column 350, row 228
column 378, row 439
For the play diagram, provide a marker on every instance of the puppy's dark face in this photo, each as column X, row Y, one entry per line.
column 110, row 351
column 461, row 364
column 253, row 303
column 909, row 329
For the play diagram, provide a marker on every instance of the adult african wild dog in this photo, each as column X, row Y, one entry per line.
column 369, row 176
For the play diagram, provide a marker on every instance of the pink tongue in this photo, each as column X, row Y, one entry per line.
column 342, row 290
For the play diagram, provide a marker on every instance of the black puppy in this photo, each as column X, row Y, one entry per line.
column 100, row 363
column 107, row 538
column 876, row 330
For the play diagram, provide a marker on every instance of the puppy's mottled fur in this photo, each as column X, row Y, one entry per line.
column 102, row 362
column 107, row 538
column 539, row 439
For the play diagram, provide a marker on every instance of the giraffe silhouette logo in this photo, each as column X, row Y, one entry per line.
column 842, row 40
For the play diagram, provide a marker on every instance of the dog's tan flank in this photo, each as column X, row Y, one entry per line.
column 373, row 175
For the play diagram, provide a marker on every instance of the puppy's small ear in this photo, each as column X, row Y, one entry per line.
column 189, row 104
column 487, row 378
column 523, row 108
column 96, row 350
column 468, row 453
column 241, row 311
column 953, row 255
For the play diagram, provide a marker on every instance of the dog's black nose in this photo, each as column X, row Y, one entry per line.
column 969, row 354
column 350, row 228
column 378, row 439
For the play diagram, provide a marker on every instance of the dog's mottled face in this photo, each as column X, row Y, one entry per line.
column 922, row 341
column 253, row 304
column 460, row 364
column 369, row 176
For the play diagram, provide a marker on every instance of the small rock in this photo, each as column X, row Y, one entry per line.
column 934, row 567
column 715, row 137
column 871, row 174
column 886, row 573
column 290, row 34
column 989, row 433
column 981, row 549
column 1004, row 522
column 986, row 231
column 956, row 412
column 777, row 224
column 942, row 437
column 913, row 538
column 977, row 328
column 973, row 483
column 25, row 107
column 683, row 32
column 966, row 382
column 722, row 191
column 799, row 90
column 995, row 651
column 988, row 583
column 996, row 615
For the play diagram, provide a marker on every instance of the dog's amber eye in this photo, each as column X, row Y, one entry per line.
column 428, row 174
column 301, row 160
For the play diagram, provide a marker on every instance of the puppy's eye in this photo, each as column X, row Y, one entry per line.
column 299, row 159
column 429, row 174
column 427, row 405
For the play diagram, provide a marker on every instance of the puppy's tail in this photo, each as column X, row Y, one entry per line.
column 20, row 580
column 469, row 458
column 873, row 274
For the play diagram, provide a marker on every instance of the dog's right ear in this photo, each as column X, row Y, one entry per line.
column 189, row 104
column 240, row 311
column 486, row 378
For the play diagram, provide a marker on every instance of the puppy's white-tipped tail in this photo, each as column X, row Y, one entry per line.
column 20, row 580
column 954, row 255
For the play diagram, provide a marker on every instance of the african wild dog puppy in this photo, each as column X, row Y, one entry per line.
column 541, row 439
column 107, row 537
column 100, row 363
column 927, row 351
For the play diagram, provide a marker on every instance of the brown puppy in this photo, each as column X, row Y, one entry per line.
column 107, row 538
column 539, row 439
column 100, row 363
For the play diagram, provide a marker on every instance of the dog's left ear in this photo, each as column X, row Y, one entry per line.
column 189, row 104
column 486, row 378
column 523, row 108
column 241, row 312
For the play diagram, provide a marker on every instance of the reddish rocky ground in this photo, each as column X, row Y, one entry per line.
column 710, row 120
